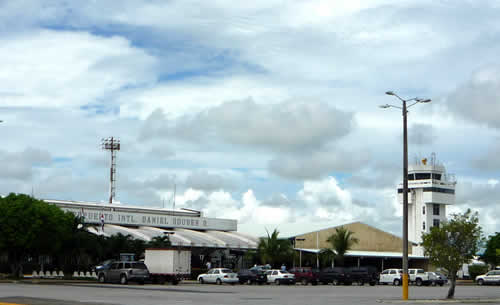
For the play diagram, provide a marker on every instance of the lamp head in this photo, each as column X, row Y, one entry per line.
column 385, row 106
column 427, row 100
column 389, row 93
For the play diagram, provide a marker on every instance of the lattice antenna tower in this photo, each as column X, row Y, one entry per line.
column 112, row 144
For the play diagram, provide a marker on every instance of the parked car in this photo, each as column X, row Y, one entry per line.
column 124, row 272
column 306, row 275
column 335, row 275
column 280, row 277
column 362, row 275
column 418, row 277
column 490, row 278
column 442, row 276
column 218, row 276
column 435, row 279
column 103, row 265
column 252, row 276
column 391, row 276
column 261, row 267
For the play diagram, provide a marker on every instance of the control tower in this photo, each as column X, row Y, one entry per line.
column 430, row 190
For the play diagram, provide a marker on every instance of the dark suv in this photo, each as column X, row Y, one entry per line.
column 305, row 275
column 123, row 272
column 362, row 275
column 335, row 275
column 252, row 276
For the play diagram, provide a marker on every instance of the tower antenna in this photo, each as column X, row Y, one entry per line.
column 173, row 206
column 112, row 144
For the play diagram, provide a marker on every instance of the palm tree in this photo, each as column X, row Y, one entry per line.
column 341, row 241
column 272, row 249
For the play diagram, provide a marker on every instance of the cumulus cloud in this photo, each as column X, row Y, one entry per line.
column 317, row 164
column 421, row 134
column 47, row 68
column 285, row 127
column 206, row 181
column 21, row 165
column 489, row 160
column 483, row 88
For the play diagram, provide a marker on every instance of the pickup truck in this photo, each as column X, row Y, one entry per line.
column 362, row 275
column 335, row 275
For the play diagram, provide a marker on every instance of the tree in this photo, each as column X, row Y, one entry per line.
column 492, row 253
column 31, row 227
column 453, row 244
column 273, row 250
column 341, row 241
column 159, row 242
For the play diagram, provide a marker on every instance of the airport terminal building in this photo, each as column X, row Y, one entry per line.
column 211, row 239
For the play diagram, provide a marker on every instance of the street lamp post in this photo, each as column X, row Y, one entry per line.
column 404, row 109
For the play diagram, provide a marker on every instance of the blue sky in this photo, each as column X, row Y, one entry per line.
column 265, row 112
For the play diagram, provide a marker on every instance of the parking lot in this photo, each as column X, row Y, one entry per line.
column 190, row 293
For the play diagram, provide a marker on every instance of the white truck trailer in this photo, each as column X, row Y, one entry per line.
column 168, row 265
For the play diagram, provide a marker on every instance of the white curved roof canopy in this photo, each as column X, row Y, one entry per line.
column 183, row 237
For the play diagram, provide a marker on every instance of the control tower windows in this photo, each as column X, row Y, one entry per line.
column 435, row 209
column 435, row 222
column 422, row 176
column 436, row 176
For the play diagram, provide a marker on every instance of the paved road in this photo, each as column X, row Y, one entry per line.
column 86, row 294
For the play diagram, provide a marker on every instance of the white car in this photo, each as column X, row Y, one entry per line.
column 218, row 276
column 491, row 277
column 280, row 277
column 419, row 277
column 436, row 279
column 391, row 276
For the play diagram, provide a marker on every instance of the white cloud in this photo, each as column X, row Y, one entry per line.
column 47, row 68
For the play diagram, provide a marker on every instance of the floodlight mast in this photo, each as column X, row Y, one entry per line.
column 112, row 144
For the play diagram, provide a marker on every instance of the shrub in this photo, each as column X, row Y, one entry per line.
column 477, row 269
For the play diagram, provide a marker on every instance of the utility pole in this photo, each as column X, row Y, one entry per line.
column 404, row 108
column 112, row 144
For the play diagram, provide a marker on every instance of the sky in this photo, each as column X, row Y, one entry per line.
column 261, row 111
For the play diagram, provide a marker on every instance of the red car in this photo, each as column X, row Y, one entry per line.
column 305, row 275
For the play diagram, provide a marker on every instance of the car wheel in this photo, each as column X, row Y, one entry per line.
column 304, row 282
column 480, row 282
column 249, row 282
column 441, row 284
column 396, row 282
column 218, row 282
column 201, row 280
column 418, row 282
column 123, row 279
column 335, row 282
column 433, row 283
column 277, row 282
column 102, row 279
column 361, row 283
